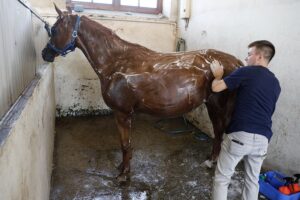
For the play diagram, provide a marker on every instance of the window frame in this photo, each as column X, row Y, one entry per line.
column 116, row 6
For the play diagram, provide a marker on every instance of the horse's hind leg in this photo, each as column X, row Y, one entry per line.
column 217, row 121
column 124, row 125
column 220, row 107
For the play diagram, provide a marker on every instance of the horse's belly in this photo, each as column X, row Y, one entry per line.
column 169, row 102
column 165, row 94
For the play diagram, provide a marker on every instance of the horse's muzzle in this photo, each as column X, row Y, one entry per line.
column 48, row 54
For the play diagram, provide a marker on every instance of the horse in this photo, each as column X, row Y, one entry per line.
column 136, row 79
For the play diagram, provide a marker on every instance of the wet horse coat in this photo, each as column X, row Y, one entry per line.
column 136, row 79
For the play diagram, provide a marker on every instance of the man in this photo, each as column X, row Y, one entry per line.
column 249, row 131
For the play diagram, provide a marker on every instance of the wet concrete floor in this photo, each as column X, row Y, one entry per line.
column 164, row 166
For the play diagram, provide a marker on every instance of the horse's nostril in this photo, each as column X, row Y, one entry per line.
column 47, row 55
column 43, row 53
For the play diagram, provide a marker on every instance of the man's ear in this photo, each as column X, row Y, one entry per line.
column 59, row 12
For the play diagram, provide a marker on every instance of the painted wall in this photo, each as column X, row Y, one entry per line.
column 17, row 56
column 230, row 26
column 170, row 9
column 26, row 153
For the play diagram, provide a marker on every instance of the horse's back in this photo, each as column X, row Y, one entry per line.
column 200, row 59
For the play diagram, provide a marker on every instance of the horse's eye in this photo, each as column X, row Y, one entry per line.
column 53, row 31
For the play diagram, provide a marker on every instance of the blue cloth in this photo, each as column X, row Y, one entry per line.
column 258, row 92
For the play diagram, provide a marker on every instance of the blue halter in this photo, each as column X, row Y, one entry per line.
column 71, row 45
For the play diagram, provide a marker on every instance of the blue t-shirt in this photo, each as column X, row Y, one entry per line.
column 258, row 91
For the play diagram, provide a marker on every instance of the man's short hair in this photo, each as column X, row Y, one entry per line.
column 265, row 47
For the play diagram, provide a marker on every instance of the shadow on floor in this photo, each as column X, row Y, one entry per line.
column 87, row 151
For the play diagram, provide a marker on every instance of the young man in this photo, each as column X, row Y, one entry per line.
column 249, row 131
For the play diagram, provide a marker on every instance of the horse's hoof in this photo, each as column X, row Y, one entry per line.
column 121, row 167
column 208, row 163
column 123, row 177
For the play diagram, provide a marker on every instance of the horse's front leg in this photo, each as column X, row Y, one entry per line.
column 124, row 126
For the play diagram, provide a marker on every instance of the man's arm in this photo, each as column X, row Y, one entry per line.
column 218, row 83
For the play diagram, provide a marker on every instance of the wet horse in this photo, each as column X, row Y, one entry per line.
column 136, row 79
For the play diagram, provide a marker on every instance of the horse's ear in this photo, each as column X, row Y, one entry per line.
column 69, row 9
column 59, row 12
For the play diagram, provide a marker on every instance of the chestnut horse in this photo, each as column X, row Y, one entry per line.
column 136, row 79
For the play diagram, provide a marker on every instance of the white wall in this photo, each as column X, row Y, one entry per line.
column 230, row 26
column 170, row 9
column 17, row 56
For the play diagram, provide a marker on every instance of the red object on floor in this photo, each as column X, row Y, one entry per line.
column 270, row 184
column 285, row 189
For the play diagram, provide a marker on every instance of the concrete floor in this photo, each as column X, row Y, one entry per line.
column 164, row 166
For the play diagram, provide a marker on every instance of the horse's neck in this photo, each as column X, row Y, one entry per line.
column 100, row 45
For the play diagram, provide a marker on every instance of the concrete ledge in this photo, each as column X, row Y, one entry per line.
column 15, row 111
column 27, row 140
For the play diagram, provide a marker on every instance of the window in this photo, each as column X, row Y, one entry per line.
column 141, row 6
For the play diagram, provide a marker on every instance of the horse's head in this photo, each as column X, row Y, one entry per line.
column 63, row 35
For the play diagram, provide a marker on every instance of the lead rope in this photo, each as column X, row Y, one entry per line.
column 47, row 26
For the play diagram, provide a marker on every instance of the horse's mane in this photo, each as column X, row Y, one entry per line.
column 109, row 33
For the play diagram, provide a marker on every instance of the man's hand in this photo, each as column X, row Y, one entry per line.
column 218, row 83
column 217, row 69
